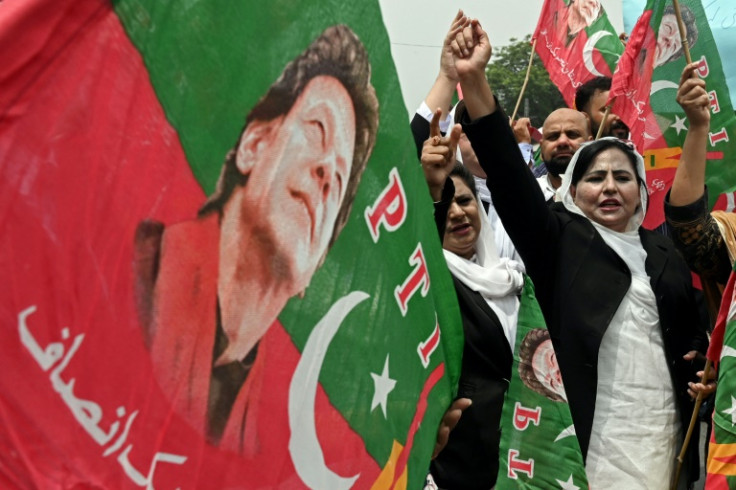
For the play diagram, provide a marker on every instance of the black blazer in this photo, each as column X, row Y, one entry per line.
column 580, row 281
column 471, row 458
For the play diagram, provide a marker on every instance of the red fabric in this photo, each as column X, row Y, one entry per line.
column 184, row 326
column 716, row 338
column 659, row 182
column 632, row 84
column 86, row 153
column 562, row 57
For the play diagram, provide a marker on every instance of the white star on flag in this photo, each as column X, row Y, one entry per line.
column 732, row 411
column 567, row 485
column 679, row 125
column 383, row 385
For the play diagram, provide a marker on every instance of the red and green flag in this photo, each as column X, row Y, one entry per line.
column 120, row 368
column 576, row 42
column 645, row 85
column 539, row 448
column 721, row 463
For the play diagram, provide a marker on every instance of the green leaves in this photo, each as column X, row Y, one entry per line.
column 506, row 75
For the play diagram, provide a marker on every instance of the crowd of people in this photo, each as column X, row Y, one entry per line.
column 625, row 331
column 623, row 316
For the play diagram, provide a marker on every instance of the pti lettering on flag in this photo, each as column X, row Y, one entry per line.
column 220, row 262
column 645, row 85
column 576, row 42
column 539, row 448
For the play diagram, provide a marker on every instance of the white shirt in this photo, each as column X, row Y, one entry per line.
column 635, row 433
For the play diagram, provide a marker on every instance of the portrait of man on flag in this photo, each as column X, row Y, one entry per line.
column 669, row 44
column 575, row 18
column 208, row 290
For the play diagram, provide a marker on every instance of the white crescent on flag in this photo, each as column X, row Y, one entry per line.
column 306, row 452
column 588, row 51
column 661, row 85
column 567, row 432
column 727, row 351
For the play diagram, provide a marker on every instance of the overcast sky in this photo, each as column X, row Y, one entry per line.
column 416, row 29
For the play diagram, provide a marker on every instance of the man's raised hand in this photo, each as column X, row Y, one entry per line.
column 521, row 130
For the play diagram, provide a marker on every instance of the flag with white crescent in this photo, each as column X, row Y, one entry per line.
column 576, row 42
column 644, row 87
column 721, row 463
column 220, row 264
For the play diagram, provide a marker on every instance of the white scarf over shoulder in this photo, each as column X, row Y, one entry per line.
column 498, row 280
column 628, row 407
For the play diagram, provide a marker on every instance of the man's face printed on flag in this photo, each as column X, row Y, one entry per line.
column 668, row 40
column 582, row 14
column 546, row 369
column 299, row 166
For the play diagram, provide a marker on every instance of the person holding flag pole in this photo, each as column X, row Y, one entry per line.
column 629, row 95
column 487, row 288
column 617, row 299
column 708, row 243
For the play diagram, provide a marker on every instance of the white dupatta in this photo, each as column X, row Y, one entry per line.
column 498, row 280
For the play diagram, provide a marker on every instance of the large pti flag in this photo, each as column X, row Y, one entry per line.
column 576, row 42
column 539, row 449
column 645, row 85
column 267, row 336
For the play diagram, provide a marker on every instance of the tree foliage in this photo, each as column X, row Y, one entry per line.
column 506, row 74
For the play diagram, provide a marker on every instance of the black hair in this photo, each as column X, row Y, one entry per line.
column 586, row 91
column 459, row 111
column 460, row 170
column 337, row 53
column 587, row 154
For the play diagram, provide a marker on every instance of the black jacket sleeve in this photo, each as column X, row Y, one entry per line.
column 420, row 131
column 516, row 195
column 443, row 206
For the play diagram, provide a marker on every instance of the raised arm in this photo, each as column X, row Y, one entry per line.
column 472, row 50
column 440, row 95
column 438, row 158
column 689, row 182
column 515, row 192
column 692, row 228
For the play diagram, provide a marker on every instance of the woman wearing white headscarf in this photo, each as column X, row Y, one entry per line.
column 487, row 289
column 617, row 299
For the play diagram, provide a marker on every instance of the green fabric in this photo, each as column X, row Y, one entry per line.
column 554, row 451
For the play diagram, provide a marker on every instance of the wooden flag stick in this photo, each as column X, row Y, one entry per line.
column 526, row 80
column 693, row 421
column 683, row 32
column 603, row 121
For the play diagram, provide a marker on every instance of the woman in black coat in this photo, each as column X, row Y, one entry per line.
column 617, row 299
column 487, row 289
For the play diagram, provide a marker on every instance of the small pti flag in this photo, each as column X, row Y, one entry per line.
column 645, row 86
column 721, row 464
column 220, row 266
column 576, row 42
column 539, row 448
column 632, row 80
